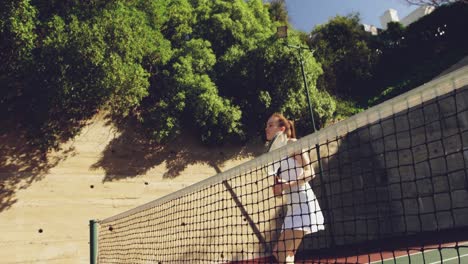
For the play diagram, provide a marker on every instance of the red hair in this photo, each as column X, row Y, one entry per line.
column 288, row 124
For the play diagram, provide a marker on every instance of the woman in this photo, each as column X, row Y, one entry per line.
column 303, row 211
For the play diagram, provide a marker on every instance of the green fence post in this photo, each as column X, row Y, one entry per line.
column 93, row 242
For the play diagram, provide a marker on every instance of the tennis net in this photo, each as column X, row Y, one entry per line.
column 391, row 184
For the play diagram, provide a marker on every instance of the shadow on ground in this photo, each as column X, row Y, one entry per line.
column 130, row 154
column 22, row 162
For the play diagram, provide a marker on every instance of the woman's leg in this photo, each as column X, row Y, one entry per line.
column 287, row 245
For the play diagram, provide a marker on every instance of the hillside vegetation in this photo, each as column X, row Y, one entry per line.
column 215, row 68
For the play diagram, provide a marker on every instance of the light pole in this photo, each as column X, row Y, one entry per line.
column 282, row 32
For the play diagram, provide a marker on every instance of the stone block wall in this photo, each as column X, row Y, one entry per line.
column 400, row 175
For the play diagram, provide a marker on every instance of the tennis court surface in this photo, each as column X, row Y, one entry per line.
column 449, row 253
column 432, row 248
column 428, row 248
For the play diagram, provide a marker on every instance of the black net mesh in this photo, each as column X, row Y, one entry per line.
column 389, row 185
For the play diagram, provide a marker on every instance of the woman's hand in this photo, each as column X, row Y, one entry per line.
column 278, row 188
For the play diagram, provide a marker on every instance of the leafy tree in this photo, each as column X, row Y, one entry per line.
column 228, row 71
column 393, row 37
column 278, row 11
column 419, row 52
column 191, row 96
column 18, row 25
column 210, row 67
column 347, row 54
column 80, row 63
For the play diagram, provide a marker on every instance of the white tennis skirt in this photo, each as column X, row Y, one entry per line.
column 303, row 211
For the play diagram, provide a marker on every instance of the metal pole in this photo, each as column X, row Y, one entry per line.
column 317, row 148
column 93, row 242
column 307, row 90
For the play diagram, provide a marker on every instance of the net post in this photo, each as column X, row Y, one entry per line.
column 93, row 242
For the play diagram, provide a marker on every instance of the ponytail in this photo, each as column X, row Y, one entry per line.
column 292, row 128
column 288, row 124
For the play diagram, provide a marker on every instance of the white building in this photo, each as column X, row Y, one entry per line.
column 370, row 28
column 391, row 15
column 416, row 14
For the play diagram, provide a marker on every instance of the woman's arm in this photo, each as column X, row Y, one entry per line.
column 305, row 177
column 302, row 160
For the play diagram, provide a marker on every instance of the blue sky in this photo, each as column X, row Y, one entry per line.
column 305, row 14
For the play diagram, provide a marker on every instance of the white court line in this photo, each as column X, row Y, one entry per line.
column 458, row 257
column 402, row 256
column 425, row 251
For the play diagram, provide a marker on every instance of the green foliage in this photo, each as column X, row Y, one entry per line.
column 347, row 55
column 278, row 11
column 212, row 115
column 18, row 25
column 80, row 64
column 392, row 37
column 180, row 19
column 211, row 67
column 345, row 109
column 225, row 78
column 371, row 69
column 96, row 61
column 291, row 93
column 18, row 30
column 418, row 53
